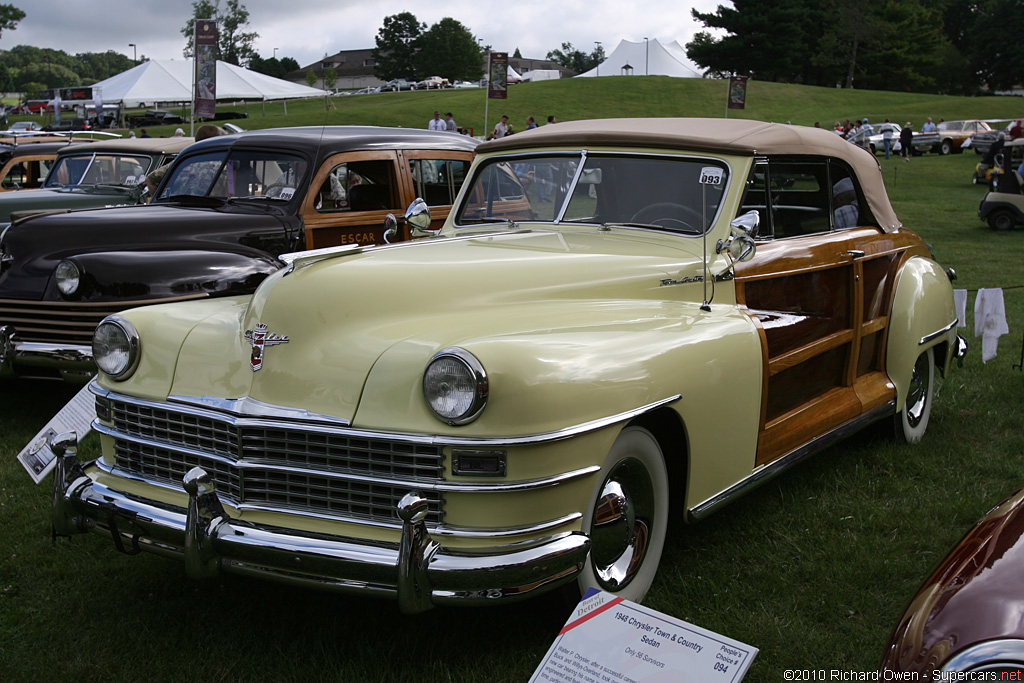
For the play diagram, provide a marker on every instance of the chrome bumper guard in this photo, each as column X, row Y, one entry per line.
column 72, row 361
column 418, row 571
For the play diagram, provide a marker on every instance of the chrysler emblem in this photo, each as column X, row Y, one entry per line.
column 260, row 339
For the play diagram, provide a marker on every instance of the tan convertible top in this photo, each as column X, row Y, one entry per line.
column 722, row 136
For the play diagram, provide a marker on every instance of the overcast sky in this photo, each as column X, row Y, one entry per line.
column 307, row 29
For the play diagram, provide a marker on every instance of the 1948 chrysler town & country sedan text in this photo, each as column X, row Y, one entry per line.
column 616, row 312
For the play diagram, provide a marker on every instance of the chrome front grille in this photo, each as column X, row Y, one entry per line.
column 280, row 466
column 66, row 322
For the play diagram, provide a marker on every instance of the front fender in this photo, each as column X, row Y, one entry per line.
column 922, row 306
column 156, row 274
column 594, row 365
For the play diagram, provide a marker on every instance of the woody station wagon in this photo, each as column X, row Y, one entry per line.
column 223, row 213
column 615, row 315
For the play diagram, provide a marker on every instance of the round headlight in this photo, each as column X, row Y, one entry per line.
column 115, row 347
column 68, row 277
column 455, row 386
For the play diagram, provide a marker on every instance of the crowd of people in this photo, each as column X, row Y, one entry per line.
column 502, row 128
column 859, row 132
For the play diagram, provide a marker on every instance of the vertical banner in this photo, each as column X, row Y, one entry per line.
column 205, row 94
column 497, row 86
column 737, row 92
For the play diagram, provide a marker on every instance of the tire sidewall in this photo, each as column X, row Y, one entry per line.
column 914, row 433
column 640, row 444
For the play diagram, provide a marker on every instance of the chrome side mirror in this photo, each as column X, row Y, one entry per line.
column 418, row 218
column 390, row 228
column 740, row 244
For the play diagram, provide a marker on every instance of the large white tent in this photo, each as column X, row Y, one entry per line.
column 170, row 80
column 645, row 58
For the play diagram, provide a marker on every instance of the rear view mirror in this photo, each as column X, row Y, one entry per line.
column 418, row 218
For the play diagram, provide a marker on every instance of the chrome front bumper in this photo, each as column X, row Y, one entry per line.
column 418, row 571
column 72, row 362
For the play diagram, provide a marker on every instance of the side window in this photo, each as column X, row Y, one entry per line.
column 755, row 198
column 437, row 181
column 358, row 186
column 803, row 197
column 846, row 211
column 799, row 193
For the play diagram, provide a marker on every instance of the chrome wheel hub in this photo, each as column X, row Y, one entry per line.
column 621, row 524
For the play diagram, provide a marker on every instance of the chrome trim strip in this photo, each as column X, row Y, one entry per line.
column 454, row 487
column 988, row 656
column 247, row 406
column 766, row 472
column 445, row 530
column 430, row 439
column 938, row 333
column 56, row 355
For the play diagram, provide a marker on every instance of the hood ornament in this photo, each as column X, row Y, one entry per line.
column 260, row 338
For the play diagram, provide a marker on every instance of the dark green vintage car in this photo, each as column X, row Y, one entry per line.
column 96, row 175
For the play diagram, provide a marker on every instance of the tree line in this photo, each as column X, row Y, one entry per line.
column 942, row 46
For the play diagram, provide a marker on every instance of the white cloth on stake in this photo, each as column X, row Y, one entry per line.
column 989, row 321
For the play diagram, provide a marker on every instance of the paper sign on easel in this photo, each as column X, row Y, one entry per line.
column 609, row 639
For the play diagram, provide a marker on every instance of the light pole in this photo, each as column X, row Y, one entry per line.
column 647, row 57
column 135, row 53
column 596, row 53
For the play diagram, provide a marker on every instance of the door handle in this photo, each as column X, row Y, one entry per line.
column 855, row 253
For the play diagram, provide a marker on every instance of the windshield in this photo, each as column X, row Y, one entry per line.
column 672, row 193
column 240, row 174
column 98, row 169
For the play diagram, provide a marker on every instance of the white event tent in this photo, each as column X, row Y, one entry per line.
column 170, row 80
column 645, row 58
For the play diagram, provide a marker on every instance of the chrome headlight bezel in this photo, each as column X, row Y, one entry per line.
column 68, row 276
column 125, row 337
column 455, row 386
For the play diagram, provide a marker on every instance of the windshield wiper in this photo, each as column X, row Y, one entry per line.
column 195, row 199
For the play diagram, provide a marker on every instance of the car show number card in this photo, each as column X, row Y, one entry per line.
column 609, row 639
column 76, row 416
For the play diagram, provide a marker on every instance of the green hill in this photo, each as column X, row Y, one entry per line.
column 625, row 96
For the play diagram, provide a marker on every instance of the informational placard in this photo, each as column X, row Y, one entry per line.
column 76, row 416
column 205, row 94
column 497, row 85
column 611, row 640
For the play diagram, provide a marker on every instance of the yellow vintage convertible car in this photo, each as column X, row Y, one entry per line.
column 617, row 314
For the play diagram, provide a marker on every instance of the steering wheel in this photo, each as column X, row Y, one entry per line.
column 669, row 215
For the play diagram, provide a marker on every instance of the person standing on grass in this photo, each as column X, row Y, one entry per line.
column 906, row 141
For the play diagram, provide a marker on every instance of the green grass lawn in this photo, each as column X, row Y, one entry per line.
column 814, row 568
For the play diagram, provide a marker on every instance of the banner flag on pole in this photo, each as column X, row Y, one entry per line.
column 205, row 94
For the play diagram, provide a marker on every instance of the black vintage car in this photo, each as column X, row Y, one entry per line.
column 224, row 212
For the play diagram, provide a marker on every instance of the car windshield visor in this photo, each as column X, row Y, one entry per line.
column 76, row 170
column 681, row 194
column 242, row 175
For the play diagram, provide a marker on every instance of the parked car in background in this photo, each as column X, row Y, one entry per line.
column 999, row 129
column 432, row 83
column 23, row 127
column 102, row 173
column 218, row 222
column 67, row 125
column 26, row 162
column 1003, row 206
column 966, row 617
column 153, row 117
column 950, row 136
column 397, row 84
column 617, row 315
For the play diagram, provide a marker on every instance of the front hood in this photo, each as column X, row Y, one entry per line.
column 341, row 316
column 48, row 199
column 33, row 248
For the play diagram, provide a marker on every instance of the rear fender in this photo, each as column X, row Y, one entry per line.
column 922, row 308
